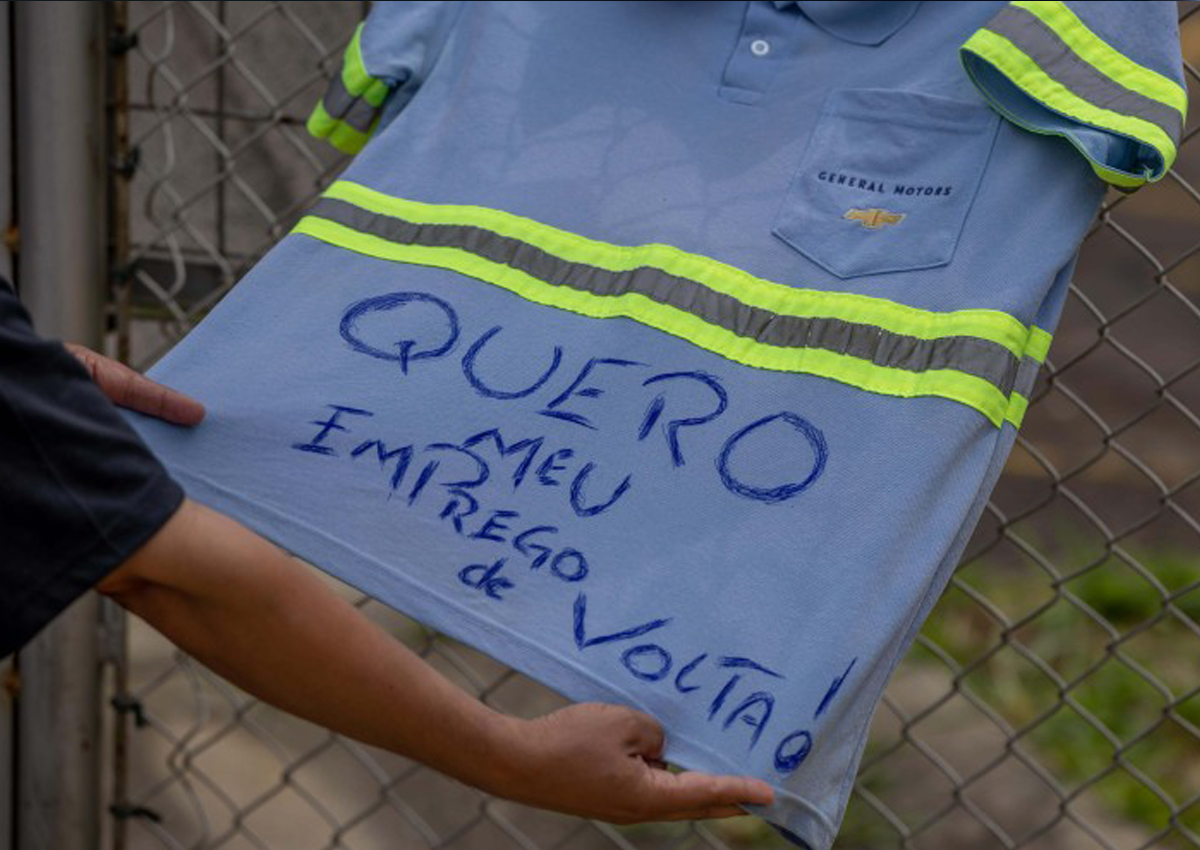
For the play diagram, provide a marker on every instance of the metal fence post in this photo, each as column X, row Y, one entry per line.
column 7, row 672
column 59, row 102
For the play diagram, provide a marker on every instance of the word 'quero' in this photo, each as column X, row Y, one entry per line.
column 570, row 402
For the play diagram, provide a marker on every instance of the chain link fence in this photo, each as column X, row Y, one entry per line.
column 1052, row 700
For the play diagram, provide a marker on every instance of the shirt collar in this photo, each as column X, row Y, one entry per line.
column 865, row 22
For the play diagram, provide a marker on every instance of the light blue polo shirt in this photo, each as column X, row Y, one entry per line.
column 669, row 351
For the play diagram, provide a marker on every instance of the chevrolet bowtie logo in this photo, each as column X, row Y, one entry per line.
column 874, row 218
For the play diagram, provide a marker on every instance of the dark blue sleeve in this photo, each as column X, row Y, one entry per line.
column 79, row 491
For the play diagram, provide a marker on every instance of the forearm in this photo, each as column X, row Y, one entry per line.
column 242, row 607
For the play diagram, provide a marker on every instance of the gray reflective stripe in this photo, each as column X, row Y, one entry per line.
column 1044, row 46
column 980, row 357
column 343, row 106
column 1026, row 376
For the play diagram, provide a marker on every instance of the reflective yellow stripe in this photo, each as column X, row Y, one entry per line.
column 1026, row 74
column 856, row 369
column 354, row 73
column 359, row 84
column 1105, row 58
column 1039, row 344
column 993, row 325
column 338, row 133
column 1120, row 179
column 1039, row 347
column 1017, row 406
column 956, row 386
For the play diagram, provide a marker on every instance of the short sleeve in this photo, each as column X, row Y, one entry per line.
column 388, row 58
column 1105, row 76
column 79, row 493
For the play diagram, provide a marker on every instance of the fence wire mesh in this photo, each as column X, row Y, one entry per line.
column 1052, row 700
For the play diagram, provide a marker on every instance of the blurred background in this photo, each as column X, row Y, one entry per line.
column 1052, row 699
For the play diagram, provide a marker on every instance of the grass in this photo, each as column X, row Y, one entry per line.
column 1096, row 671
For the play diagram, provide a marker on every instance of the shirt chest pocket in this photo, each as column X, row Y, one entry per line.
column 886, row 181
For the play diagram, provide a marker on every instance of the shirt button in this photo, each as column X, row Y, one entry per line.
column 760, row 47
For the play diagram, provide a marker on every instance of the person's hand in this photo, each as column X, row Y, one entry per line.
column 605, row 762
column 127, row 388
column 241, row 606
